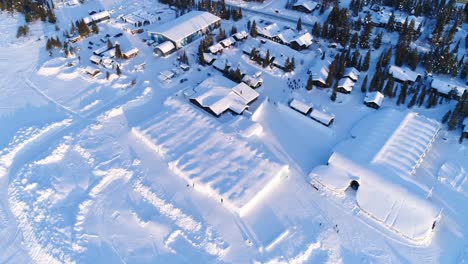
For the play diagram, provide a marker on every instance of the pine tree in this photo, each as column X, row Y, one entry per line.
column 365, row 64
column 310, row 83
column 201, row 59
column 119, row 72
column 95, row 28
column 446, row 117
column 118, row 52
column 333, row 95
column 316, row 29
column 266, row 61
column 452, row 123
column 109, row 44
column 354, row 41
column 413, row 100
column 253, row 30
column 299, row 25
column 364, row 85
column 402, row 96
column 422, row 96
column 377, row 41
column 388, row 90
column 107, row 75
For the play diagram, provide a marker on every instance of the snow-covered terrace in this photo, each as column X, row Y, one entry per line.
column 218, row 164
column 385, row 150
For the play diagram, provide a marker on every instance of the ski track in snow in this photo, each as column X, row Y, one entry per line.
column 197, row 234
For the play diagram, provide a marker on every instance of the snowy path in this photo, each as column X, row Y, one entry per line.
column 12, row 162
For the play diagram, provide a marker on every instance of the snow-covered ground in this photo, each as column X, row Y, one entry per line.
column 127, row 170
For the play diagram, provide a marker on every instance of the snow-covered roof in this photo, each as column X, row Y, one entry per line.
column 385, row 149
column 185, row 25
column 208, row 57
column 221, row 63
column 304, row 39
column 307, row 4
column 346, row 83
column 215, row 48
column 96, row 17
column 374, row 97
column 403, row 73
column 227, row 42
column 244, row 91
column 351, row 73
column 269, row 31
column 287, row 36
column 241, row 35
column 130, row 52
column 445, row 87
column 95, row 59
column 299, row 106
column 321, row 116
column 165, row 47
column 251, row 81
column 220, row 94
column 319, row 71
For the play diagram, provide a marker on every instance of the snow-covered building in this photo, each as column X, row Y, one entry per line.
column 227, row 42
column 215, row 48
column 208, row 58
column 218, row 95
column 403, row 74
column 351, row 73
column 302, row 41
column 322, row 117
column 374, row 99
column 130, row 53
column 300, row 106
column 95, row 59
column 97, row 17
column 252, row 81
column 184, row 29
column 269, row 31
column 92, row 71
column 306, row 6
column 448, row 89
column 164, row 48
column 384, row 151
column 319, row 73
column 240, row 35
column 345, row 85
column 221, row 64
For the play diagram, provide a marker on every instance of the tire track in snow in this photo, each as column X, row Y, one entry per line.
column 194, row 232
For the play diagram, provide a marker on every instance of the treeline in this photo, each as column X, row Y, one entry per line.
column 217, row 8
column 32, row 10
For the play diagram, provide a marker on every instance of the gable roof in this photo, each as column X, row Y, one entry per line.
column 299, row 106
column 374, row 97
column 445, row 87
column 307, row 4
column 403, row 73
column 220, row 94
column 185, row 25
column 352, row 73
column 346, row 83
